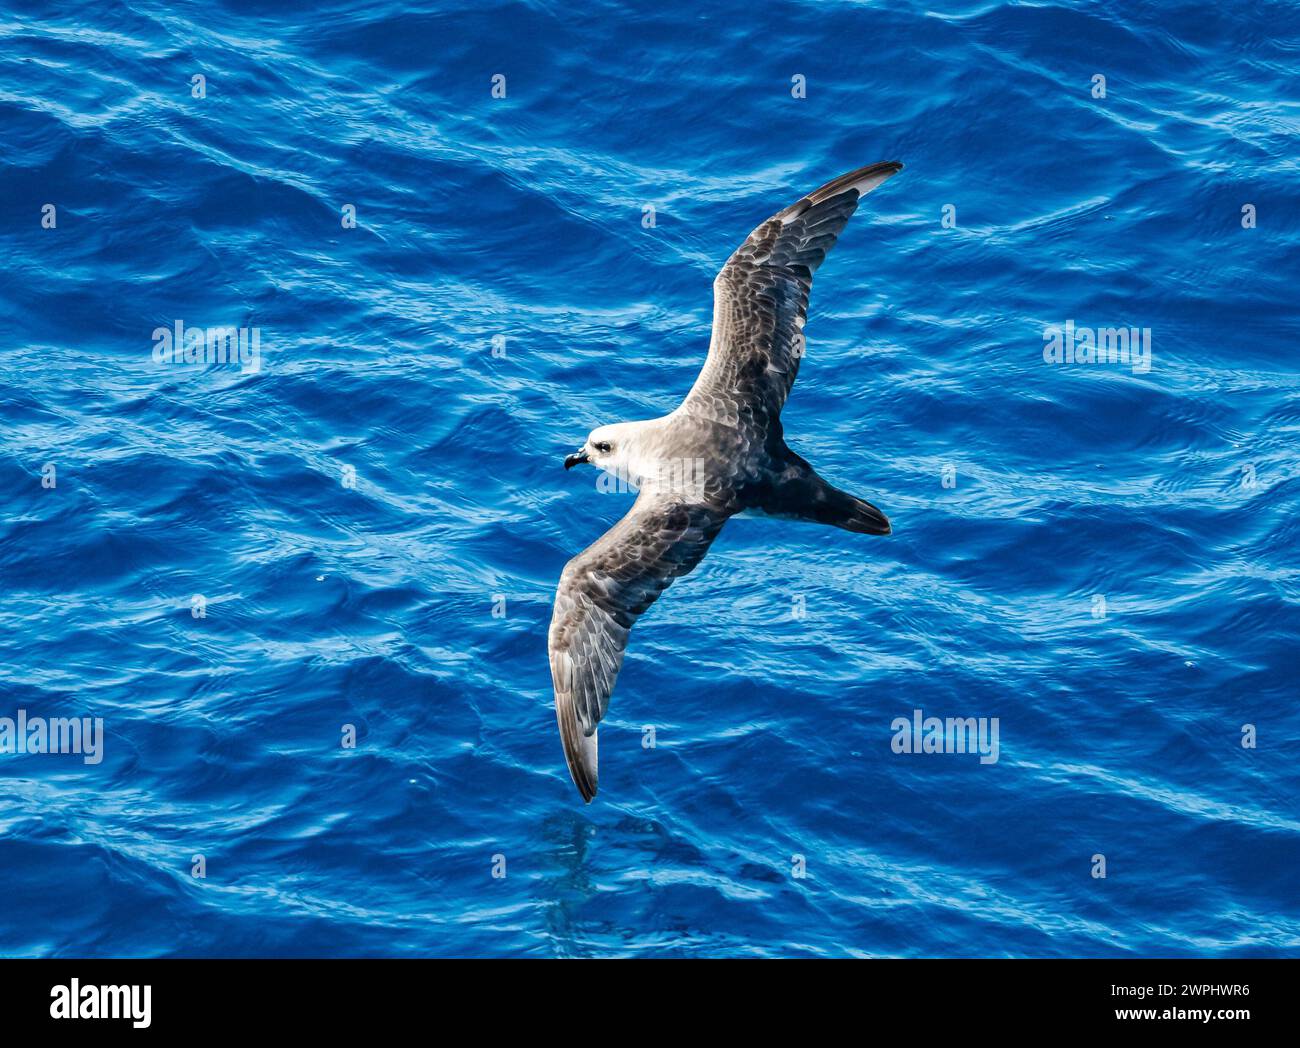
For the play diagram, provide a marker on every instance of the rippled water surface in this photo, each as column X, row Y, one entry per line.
column 1103, row 559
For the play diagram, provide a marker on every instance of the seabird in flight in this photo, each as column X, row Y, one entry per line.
column 721, row 452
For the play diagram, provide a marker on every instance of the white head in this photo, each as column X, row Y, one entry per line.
column 620, row 449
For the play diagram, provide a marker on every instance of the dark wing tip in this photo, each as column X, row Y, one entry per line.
column 580, row 755
column 873, row 173
column 864, row 180
column 580, row 751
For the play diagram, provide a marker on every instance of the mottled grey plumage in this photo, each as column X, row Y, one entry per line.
column 721, row 452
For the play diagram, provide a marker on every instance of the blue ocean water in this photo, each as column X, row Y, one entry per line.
column 229, row 566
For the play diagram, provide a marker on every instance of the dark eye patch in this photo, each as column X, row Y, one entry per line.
column 603, row 447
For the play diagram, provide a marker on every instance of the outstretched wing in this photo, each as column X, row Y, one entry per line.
column 760, row 302
column 602, row 592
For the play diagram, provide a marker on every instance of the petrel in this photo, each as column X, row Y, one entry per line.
column 720, row 453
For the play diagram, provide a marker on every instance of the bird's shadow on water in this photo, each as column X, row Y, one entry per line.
column 567, row 885
column 583, row 914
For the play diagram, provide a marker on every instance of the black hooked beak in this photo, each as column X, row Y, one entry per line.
column 576, row 458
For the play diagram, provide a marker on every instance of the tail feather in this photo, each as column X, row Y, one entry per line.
column 807, row 497
column 865, row 519
column 839, row 509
